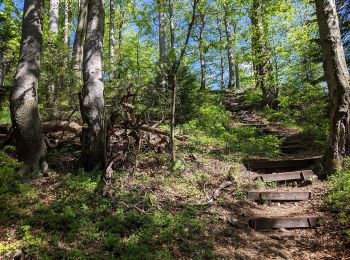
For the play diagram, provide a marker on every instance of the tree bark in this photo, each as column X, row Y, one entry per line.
column 93, row 153
column 172, row 24
column 25, row 117
column 163, row 50
column 3, row 69
column 222, row 66
column 79, row 37
column 53, row 13
column 112, row 35
column 229, row 46
column 337, row 77
column 66, row 22
column 237, row 78
column 202, row 52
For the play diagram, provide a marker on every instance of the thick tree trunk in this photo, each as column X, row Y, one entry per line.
column 230, row 52
column 337, row 77
column 93, row 153
column 163, row 47
column 112, row 35
column 66, row 22
column 53, row 19
column 202, row 52
column 25, row 117
column 172, row 24
column 79, row 37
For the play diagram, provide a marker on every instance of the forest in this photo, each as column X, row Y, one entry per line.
column 174, row 129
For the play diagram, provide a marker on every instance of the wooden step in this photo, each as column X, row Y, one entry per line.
column 284, row 222
column 279, row 195
column 291, row 148
column 265, row 164
column 287, row 176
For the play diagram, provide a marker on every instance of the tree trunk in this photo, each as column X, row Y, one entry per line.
column 222, row 65
column 120, row 41
column 172, row 24
column 79, row 37
column 3, row 69
column 25, row 117
column 66, row 22
column 163, row 50
column 202, row 52
column 337, row 77
column 93, row 153
column 112, row 35
column 53, row 13
column 236, row 63
column 262, row 53
column 230, row 52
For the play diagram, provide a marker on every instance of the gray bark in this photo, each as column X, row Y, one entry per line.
column 66, row 22
column 93, row 153
column 53, row 16
column 202, row 52
column 237, row 78
column 112, row 34
column 3, row 68
column 337, row 77
column 230, row 52
column 172, row 24
column 25, row 117
column 79, row 36
column 163, row 50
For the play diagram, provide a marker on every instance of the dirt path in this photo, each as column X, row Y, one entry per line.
column 239, row 241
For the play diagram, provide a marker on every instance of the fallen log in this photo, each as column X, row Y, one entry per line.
column 72, row 127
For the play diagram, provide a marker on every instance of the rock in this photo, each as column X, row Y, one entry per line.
column 283, row 230
column 14, row 255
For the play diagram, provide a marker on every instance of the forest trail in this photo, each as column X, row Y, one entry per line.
column 286, row 218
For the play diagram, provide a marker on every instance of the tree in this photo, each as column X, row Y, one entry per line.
column 263, row 65
column 66, row 22
column 229, row 47
column 25, row 117
column 112, row 34
column 53, row 13
column 79, row 36
column 202, row 48
column 337, row 77
column 92, row 103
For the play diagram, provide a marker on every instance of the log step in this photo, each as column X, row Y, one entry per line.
column 278, row 195
column 284, row 222
column 291, row 148
column 265, row 164
column 287, row 176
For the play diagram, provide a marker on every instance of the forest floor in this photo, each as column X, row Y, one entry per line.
column 200, row 211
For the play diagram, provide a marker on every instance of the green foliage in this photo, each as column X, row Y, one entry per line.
column 339, row 197
column 211, row 128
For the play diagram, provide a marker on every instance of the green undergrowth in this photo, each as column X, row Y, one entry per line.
column 64, row 216
column 211, row 128
column 5, row 117
column 338, row 200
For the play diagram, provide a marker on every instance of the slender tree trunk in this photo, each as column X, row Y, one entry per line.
column 337, row 77
column 112, row 35
column 93, row 153
column 230, row 52
column 53, row 13
column 236, row 62
column 222, row 65
column 262, row 53
column 79, row 37
column 66, row 22
column 202, row 52
column 3, row 69
column 25, row 117
column 163, row 50
column 120, row 41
